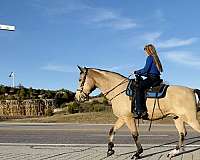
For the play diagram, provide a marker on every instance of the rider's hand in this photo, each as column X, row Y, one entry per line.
column 135, row 72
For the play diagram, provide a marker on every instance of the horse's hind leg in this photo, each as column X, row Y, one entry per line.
column 180, row 125
column 120, row 122
column 195, row 125
column 130, row 122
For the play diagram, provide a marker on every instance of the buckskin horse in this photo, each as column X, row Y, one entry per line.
column 179, row 102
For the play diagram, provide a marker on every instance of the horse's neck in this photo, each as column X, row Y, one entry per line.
column 106, row 81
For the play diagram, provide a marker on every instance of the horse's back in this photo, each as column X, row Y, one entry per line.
column 177, row 91
column 181, row 101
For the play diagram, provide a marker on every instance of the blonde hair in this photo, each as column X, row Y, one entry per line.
column 150, row 50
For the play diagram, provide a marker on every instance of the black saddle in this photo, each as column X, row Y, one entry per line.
column 158, row 90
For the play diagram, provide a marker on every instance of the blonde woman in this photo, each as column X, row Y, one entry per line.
column 151, row 71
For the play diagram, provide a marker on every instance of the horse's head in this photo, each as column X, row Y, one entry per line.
column 86, row 85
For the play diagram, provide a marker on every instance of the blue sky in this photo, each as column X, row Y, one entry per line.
column 53, row 36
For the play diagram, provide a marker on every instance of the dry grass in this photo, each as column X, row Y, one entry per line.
column 93, row 117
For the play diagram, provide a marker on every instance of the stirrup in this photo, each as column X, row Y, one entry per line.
column 145, row 115
column 136, row 115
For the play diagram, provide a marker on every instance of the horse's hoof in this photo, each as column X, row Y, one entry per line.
column 135, row 157
column 110, row 145
column 173, row 153
column 110, row 153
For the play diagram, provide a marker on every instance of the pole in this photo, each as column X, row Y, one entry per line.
column 13, row 80
column 9, row 28
column 12, row 75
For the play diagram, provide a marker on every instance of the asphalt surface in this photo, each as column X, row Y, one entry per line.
column 88, row 134
column 38, row 141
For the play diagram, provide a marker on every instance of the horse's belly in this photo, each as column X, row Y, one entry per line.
column 122, row 107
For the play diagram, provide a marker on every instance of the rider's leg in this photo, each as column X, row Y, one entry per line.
column 139, row 97
column 143, row 86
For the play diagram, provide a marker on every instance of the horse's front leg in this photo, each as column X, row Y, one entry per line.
column 139, row 147
column 131, row 124
column 118, row 124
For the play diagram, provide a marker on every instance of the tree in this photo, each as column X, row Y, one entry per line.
column 31, row 92
column 65, row 96
column 22, row 93
column 2, row 89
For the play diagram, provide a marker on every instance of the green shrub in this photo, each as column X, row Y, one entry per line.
column 63, row 105
column 95, row 102
column 98, row 108
column 49, row 112
column 105, row 101
column 73, row 108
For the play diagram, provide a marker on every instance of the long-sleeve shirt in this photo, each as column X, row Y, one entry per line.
column 150, row 69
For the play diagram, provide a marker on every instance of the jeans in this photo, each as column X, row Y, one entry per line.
column 143, row 85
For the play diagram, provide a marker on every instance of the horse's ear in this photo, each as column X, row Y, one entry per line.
column 81, row 69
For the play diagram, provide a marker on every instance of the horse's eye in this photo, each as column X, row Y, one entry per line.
column 80, row 80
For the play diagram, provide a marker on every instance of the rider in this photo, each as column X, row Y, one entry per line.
column 151, row 71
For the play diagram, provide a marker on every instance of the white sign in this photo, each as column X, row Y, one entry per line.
column 7, row 27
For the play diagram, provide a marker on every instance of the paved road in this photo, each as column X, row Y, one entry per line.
column 82, row 141
column 86, row 134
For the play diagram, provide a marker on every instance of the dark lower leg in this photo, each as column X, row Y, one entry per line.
column 118, row 124
column 111, row 144
column 182, row 132
column 181, row 140
column 138, row 145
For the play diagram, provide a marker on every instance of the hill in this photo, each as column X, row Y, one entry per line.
column 22, row 93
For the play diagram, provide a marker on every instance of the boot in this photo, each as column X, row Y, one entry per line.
column 144, row 115
column 136, row 115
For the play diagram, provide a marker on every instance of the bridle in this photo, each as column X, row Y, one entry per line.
column 83, row 83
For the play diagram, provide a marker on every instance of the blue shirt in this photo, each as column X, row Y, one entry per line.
column 149, row 69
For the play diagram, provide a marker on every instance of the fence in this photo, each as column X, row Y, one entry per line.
column 37, row 107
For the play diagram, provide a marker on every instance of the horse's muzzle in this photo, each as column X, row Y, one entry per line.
column 81, row 97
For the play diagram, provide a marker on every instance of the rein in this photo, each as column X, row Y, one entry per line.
column 122, row 82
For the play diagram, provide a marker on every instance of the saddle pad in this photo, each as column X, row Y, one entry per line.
column 129, row 90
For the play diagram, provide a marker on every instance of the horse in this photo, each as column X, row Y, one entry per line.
column 181, row 103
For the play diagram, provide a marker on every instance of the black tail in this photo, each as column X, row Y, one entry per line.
column 197, row 91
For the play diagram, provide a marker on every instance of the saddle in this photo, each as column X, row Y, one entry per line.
column 158, row 90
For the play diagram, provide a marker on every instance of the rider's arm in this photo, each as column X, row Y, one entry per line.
column 145, row 70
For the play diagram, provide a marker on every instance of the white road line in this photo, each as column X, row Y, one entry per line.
column 49, row 129
column 79, row 124
column 125, row 135
column 90, row 145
